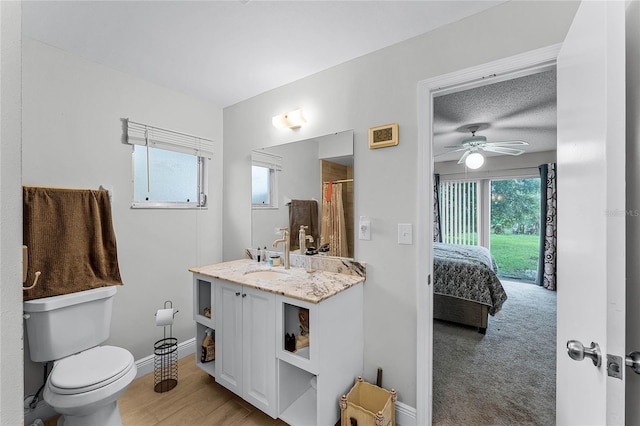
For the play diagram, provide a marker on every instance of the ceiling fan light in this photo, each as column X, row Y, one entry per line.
column 474, row 160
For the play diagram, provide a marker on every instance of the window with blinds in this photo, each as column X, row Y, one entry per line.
column 459, row 212
column 169, row 168
column 264, row 180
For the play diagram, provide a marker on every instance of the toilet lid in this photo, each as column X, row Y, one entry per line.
column 90, row 369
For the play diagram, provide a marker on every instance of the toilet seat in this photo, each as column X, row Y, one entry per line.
column 89, row 370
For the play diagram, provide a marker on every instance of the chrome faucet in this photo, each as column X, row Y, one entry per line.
column 285, row 241
column 303, row 238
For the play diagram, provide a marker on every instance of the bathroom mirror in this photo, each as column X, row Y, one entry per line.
column 301, row 170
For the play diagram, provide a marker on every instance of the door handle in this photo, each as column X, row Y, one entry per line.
column 632, row 360
column 578, row 352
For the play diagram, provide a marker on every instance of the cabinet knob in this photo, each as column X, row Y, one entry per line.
column 237, row 293
column 244, row 294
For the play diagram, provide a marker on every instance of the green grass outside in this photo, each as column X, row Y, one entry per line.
column 515, row 255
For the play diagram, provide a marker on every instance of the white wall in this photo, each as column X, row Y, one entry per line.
column 503, row 166
column 377, row 89
column 633, row 205
column 11, row 373
column 72, row 138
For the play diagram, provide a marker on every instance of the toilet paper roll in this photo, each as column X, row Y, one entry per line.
column 164, row 317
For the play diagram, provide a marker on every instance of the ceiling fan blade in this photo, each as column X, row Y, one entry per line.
column 449, row 152
column 502, row 150
column 464, row 157
column 506, row 143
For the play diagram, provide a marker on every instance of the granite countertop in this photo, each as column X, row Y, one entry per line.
column 313, row 286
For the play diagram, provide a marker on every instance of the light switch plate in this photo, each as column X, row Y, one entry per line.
column 405, row 233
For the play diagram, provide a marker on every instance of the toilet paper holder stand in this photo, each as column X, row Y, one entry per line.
column 168, row 304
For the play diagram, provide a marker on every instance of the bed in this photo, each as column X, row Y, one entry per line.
column 465, row 285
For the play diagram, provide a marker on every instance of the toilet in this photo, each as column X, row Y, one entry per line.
column 87, row 379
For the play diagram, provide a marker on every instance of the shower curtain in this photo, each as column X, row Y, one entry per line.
column 334, row 231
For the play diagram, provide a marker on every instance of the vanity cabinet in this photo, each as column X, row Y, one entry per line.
column 245, row 362
column 254, row 321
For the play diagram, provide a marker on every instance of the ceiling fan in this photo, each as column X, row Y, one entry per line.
column 474, row 144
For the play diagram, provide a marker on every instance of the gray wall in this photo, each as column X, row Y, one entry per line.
column 11, row 371
column 633, row 205
column 377, row 89
column 72, row 138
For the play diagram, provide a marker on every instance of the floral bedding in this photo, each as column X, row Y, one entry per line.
column 467, row 272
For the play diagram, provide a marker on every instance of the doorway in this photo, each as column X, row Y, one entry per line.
column 503, row 70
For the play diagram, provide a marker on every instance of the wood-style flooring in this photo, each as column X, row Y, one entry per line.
column 196, row 400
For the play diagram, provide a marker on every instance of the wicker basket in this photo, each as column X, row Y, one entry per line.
column 368, row 405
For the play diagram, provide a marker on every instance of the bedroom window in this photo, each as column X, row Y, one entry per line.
column 459, row 212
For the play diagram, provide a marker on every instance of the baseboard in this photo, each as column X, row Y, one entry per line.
column 145, row 365
column 405, row 414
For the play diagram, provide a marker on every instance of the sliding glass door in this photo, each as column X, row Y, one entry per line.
column 515, row 227
column 459, row 212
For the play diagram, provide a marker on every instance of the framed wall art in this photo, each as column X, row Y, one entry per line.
column 382, row 136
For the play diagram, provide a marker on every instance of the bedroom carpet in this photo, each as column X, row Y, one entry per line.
column 506, row 377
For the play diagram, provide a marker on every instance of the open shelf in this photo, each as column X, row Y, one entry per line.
column 298, row 397
column 203, row 301
column 302, row 411
column 208, row 367
column 290, row 315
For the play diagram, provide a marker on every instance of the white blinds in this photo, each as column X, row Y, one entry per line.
column 156, row 137
column 264, row 159
column 459, row 212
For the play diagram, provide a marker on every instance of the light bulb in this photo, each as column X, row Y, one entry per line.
column 474, row 160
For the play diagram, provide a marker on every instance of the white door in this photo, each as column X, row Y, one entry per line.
column 591, row 217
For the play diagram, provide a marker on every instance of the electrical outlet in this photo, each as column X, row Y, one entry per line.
column 364, row 228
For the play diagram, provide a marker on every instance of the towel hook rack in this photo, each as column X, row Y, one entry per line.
column 35, row 281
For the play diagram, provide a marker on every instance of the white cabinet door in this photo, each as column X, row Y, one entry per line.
column 258, row 349
column 591, row 218
column 229, row 336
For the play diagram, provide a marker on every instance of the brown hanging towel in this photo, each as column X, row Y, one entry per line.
column 70, row 240
column 303, row 212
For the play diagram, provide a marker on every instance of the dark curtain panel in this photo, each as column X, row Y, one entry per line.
column 437, row 236
column 549, row 230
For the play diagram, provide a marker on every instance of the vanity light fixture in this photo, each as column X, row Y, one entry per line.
column 289, row 120
column 474, row 160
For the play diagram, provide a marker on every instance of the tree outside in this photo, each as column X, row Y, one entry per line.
column 515, row 227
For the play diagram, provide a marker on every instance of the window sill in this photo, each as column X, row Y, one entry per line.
column 170, row 206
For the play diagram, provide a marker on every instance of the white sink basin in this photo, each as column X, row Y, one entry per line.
column 267, row 274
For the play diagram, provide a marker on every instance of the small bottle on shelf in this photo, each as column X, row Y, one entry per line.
column 208, row 352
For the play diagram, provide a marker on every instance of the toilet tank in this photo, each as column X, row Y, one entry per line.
column 60, row 326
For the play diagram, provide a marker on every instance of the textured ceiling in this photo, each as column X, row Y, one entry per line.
column 229, row 51
column 518, row 109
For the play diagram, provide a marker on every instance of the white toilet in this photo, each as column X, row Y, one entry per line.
column 86, row 380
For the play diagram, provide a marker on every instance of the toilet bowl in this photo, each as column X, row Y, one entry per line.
column 87, row 379
column 85, row 387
